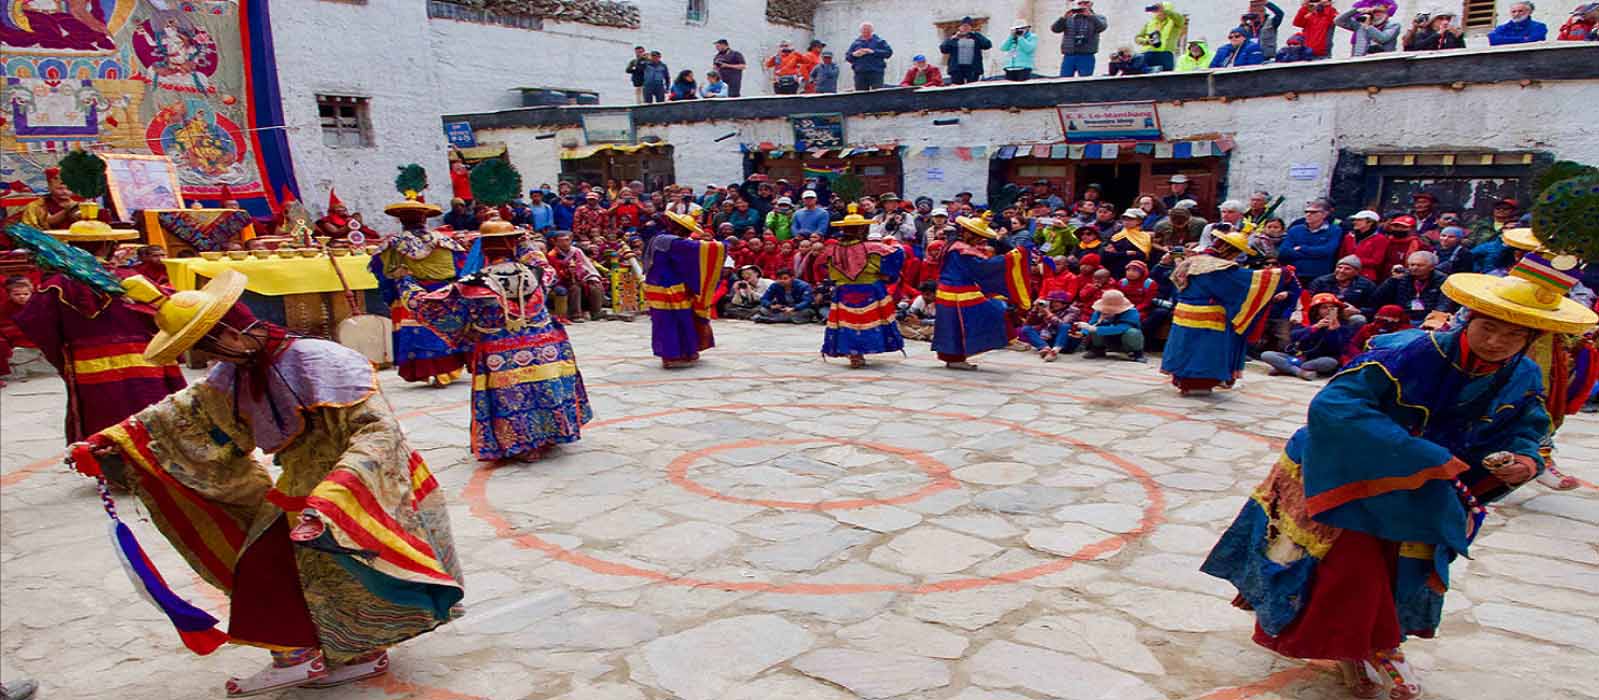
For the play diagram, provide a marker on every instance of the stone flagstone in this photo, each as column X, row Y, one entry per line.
column 1002, row 664
column 892, row 633
column 706, row 661
column 874, row 674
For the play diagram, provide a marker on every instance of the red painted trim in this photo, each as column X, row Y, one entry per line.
column 1328, row 500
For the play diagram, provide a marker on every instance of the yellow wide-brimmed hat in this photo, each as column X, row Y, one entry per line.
column 977, row 225
column 1521, row 239
column 1526, row 298
column 185, row 317
column 1236, row 239
column 413, row 203
column 852, row 219
column 92, row 231
column 685, row 221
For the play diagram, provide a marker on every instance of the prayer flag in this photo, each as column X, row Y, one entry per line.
column 1075, row 151
column 1163, row 149
column 979, row 151
column 1006, row 152
column 1093, row 150
column 1041, row 151
column 1226, row 143
column 930, row 152
column 963, row 153
column 1111, row 150
column 1058, row 151
column 1144, row 148
column 1182, row 149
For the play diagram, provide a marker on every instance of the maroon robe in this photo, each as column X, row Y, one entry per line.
column 97, row 343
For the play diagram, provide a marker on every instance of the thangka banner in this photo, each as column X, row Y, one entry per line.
column 176, row 78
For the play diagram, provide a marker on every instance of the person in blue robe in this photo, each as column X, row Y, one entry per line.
column 977, row 285
column 862, row 320
column 1220, row 307
column 680, row 279
column 1344, row 550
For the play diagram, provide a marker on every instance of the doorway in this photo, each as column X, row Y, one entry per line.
column 1119, row 182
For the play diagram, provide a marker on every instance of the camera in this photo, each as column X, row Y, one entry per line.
column 1363, row 18
column 1423, row 18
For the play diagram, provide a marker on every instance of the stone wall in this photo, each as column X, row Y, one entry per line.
column 798, row 13
column 601, row 13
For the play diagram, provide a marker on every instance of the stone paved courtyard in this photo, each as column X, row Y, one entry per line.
column 771, row 526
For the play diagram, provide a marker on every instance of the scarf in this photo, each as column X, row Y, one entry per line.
column 850, row 258
column 1138, row 237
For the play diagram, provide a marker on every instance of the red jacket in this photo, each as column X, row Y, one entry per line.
column 1141, row 293
column 1086, row 296
column 934, row 78
column 1379, row 253
column 1317, row 27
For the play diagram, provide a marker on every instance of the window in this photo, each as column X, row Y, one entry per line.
column 696, row 11
column 1478, row 14
column 344, row 121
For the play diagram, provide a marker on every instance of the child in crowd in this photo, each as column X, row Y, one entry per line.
column 18, row 291
column 1049, row 324
column 1095, row 286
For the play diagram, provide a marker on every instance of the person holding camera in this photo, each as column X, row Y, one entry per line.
column 790, row 68
column 965, row 51
column 1161, row 36
column 1373, row 32
column 1019, row 48
column 1079, row 28
column 1263, row 19
column 1316, row 19
column 1434, row 33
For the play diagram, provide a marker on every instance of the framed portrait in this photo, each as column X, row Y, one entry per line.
column 138, row 182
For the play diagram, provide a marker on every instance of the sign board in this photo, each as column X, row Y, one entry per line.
column 1304, row 171
column 1110, row 121
column 814, row 131
column 460, row 134
column 608, row 127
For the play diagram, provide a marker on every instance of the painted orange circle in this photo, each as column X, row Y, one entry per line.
column 937, row 472
column 476, row 496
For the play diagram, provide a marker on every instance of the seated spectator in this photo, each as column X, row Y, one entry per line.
column 1130, row 244
column 1295, row 51
column 1583, row 24
column 916, row 316
column 1239, row 50
column 1179, row 227
column 1505, row 215
column 747, row 293
column 788, row 300
column 1269, row 238
column 1158, row 320
column 1388, row 319
column 822, row 297
column 1124, row 62
column 1317, row 349
column 1114, row 326
column 1139, row 288
column 1521, row 29
column 1058, row 277
column 1198, row 56
column 1092, row 284
column 1345, row 282
column 1055, row 235
column 1435, row 33
column 1419, row 291
column 922, row 74
column 1386, row 251
column 1090, row 240
column 1453, row 253
column 1049, row 324
column 684, row 88
column 1311, row 244
column 713, row 87
column 1374, row 33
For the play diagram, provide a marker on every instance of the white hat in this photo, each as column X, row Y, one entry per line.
column 809, row 194
column 1134, row 213
column 785, row 200
column 939, row 212
column 1179, row 179
column 1020, row 23
column 1366, row 214
column 1188, row 204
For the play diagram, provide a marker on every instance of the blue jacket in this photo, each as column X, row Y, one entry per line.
column 1312, row 253
column 875, row 62
column 1115, row 325
column 796, row 297
column 1249, row 55
column 1310, row 342
column 1513, row 32
column 1292, row 54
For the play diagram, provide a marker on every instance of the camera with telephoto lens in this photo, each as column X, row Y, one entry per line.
column 1423, row 18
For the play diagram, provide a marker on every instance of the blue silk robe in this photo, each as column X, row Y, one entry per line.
column 969, row 319
column 1216, row 310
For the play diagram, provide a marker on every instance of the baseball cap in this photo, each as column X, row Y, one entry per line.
column 1407, row 221
column 1366, row 214
column 939, row 212
column 784, row 200
column 808, row 194
column 918, row 58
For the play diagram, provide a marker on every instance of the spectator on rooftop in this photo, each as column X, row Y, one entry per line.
column 1124, row 62
column 1521, row 29
column 1239, row 50
column 1316, row 20
column 824, row 75
column 714, row 86
column 922, row 74
column 1295, row 51
column 1020, row 47
column 868, row 55
column 1434, row 33
column 1374, row 32
column 1196, row 57
column 1263, row 28
column 1160, row 36
column 656, row 78
column 730, row 65
column 790, row 68
column 1583, row 24
column 684, row 88
column 635, row 72
column 1311, row 244
column 1079, row 28
column 965, row 51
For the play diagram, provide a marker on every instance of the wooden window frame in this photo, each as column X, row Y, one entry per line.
column 345, row 121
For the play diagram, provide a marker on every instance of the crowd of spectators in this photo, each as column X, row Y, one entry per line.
column 1162, row 44
column 1101, row 271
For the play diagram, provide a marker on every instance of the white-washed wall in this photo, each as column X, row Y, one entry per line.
column 415, row 69
column 1272, row 134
